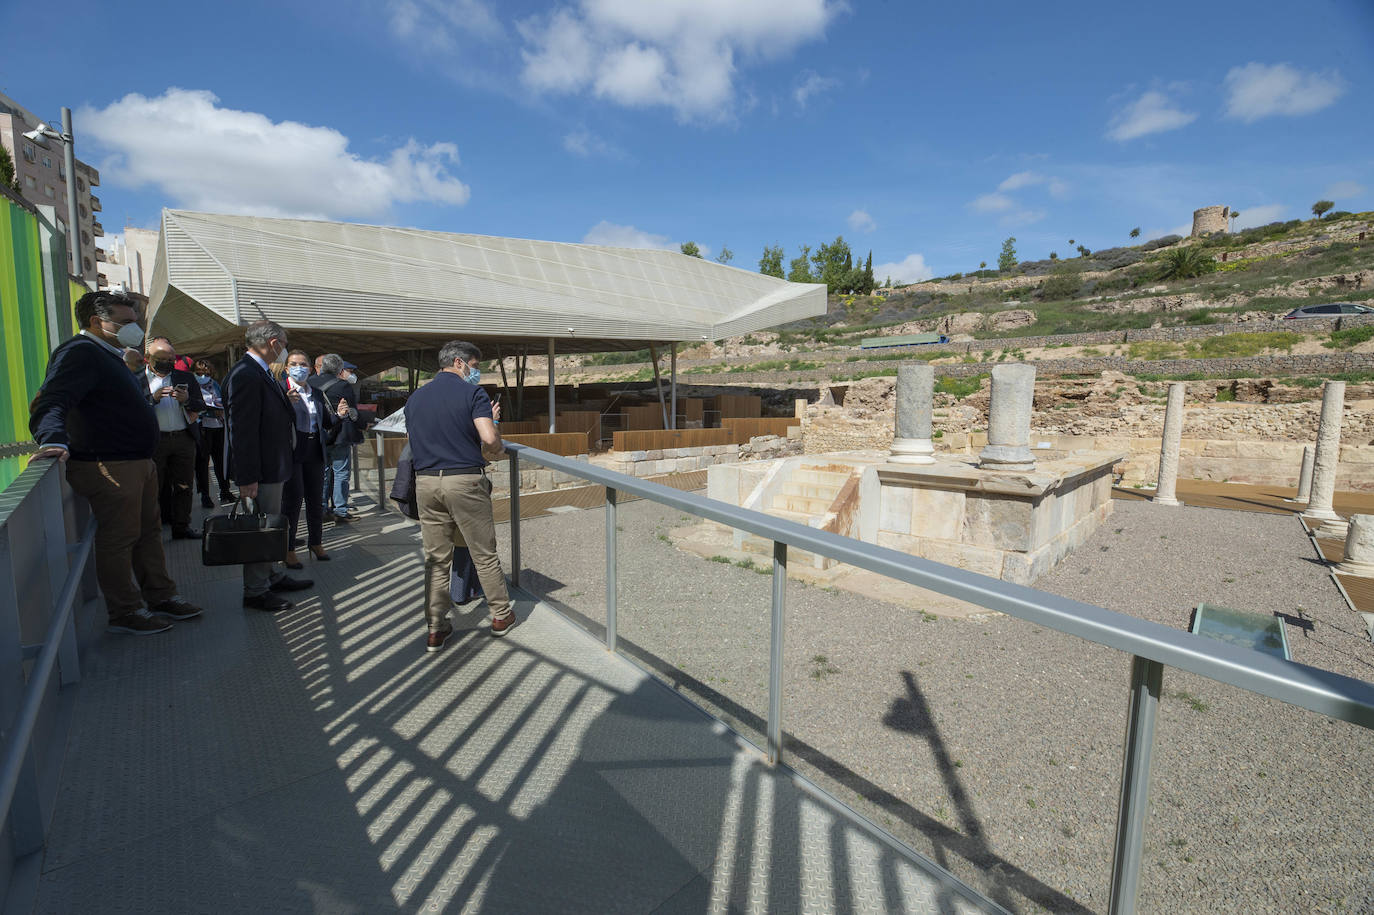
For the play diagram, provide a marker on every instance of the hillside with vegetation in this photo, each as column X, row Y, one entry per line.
column 1251, row 277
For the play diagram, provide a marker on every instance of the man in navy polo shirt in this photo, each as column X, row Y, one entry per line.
column 452, row 428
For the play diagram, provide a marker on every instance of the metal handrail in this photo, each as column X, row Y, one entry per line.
column 1332, row 694
column 1152, row 646
column 17, row 743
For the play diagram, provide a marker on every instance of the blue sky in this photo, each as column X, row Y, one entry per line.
column 924, row 132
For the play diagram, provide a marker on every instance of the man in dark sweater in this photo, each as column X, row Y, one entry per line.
column 91, row 413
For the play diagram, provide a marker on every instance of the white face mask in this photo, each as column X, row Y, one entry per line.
column 130, row 336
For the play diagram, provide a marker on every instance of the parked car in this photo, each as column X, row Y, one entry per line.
column 1329, row 311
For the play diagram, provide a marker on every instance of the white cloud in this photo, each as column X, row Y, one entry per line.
column 1344, row 190
column 618, row 236
column 1020, row 180
column 222, row 160
column 436, row 25
column 812, row 84
column 992, row 203
column 679, row 54
column 1255, row 216
column 910, row 269
column 1256, row 91
column 1022, row 217
column 1058, row 187
column 1153, row 112
column 860, row 221
column 586, row 144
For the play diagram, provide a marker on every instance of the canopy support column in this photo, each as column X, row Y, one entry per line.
column 658, row 383
column 505, row 384
column 553, row 405
column 672, row 386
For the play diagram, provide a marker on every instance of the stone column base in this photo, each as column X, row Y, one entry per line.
column 1006, row 457
column 912, row 451
column 1355, row 567
column 1161, row 500
column 1334, row 529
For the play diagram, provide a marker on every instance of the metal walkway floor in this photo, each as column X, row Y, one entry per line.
column 320, row 761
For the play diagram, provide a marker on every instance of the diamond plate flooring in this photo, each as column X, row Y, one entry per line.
column 320, row 761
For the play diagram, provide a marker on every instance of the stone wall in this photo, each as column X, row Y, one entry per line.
column 684, row 460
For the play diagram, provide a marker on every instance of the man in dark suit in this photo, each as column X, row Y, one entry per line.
column 332, row 381
column 177, row 401
column 262, row 430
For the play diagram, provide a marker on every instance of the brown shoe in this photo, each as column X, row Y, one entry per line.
column 292, row 561
column 437, row 638
column 140, row 622
column 500, row 625
column 318, row 551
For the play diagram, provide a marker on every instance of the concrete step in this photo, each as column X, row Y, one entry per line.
column 811, row 475
column 800, row 504
column 810, row 490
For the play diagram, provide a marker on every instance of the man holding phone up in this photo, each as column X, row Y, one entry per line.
column 177, row 401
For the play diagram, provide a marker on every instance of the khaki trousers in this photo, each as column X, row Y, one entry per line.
column 456, row 511
column 128, row 532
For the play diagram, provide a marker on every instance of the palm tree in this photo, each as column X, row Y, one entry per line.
column 1135, row 233
column 1186, row 263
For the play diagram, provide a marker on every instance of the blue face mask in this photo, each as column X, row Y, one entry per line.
column 299, row 373
column 474, row 375
column 203, row 379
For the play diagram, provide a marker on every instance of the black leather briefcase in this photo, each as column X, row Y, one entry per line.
column 244, row 535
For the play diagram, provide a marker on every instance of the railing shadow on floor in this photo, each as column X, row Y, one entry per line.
column 906, row 711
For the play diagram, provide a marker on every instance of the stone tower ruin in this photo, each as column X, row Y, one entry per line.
column 1210, row 219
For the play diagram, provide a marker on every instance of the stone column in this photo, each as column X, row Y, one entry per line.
column 1009, row 416
column 1305, row 475
column 1359, row 547
column 915, row 404
column 1325, row 460
column 1166, row 485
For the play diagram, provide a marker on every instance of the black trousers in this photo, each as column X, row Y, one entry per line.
column 306, row 485
column 211, row 449
column 176, row 469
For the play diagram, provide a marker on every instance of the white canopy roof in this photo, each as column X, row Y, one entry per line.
column 377, row 294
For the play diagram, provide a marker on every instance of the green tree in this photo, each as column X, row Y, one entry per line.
column 1083, row 251
column 1071, row 241
column 8, row 176
column 1186, row 263
column 1054, row 255
column 799, row 269
column 833, row 265
column 982, row 265
column 1135, row 233
column 690, row 249
column 771, row 262
column 726, row 255
column 1006, row 261
column 869, row 282
column 1320, row 207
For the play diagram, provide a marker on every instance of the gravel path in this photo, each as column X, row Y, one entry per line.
column 994, row 746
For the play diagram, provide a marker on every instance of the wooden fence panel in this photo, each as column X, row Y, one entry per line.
column 659, row 439
column 746, row 406
column 566, row 444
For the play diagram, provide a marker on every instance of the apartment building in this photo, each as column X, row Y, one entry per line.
column 128, row 260
column 41, row 171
